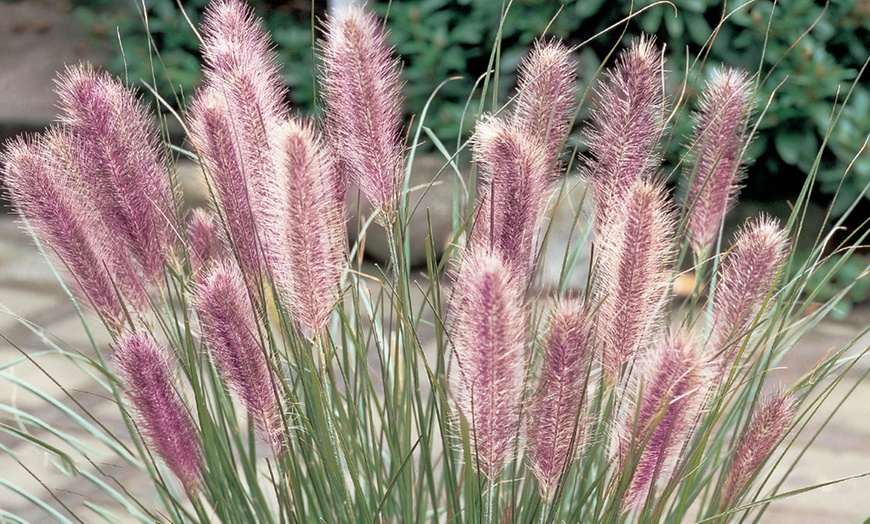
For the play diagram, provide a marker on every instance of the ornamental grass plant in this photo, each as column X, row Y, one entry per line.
column 266, row 373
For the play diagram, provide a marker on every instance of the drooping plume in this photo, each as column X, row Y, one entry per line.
column 545, row 97
column 123, row 166
column 746, row 276
column 626, row 127
column 487, row 327
column 204, row 243
column 362, row 99
column 43, row 178
column 512, row 193
column 230, row 332
column 716, row 153
column 673, row 388
column 308, row 237
column 234, row 120
column 770, row 423
column 556, row 425
column 636, row 258
column 164, row 419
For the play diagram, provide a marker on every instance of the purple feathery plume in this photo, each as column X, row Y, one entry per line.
column 673, row 388
column 556, row 425
column 204, row 243
column 488, row 328
column 717, row 146
column 510, row 203
column 234, row 120
column 45, row 186
column 545, row 97
column 363, row 97
column 770, row 423
column 636, row 259
column 229, row 331
column 308, row 246
column 124, row 169
column 168, row 427
column 626, row 127
column 746, row 276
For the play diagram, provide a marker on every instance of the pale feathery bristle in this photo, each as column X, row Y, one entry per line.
column 746, row 277
column 673, row 386
column 204, row 243
column 557, row 417
column 632, row 284
column 511, row 195
column 545, row 98
column 235, row 119
column 123, row 164
column 626, row 127
column 716, row 166
column 487, row 327
column 230, row 332
column 45, row 188
column 308, row 247
column 148, row 379
column 362, row 97
column 770, row 422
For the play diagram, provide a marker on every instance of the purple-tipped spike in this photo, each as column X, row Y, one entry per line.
column 162, row 415
column 636, row 259
column 545, row 98
column 204, row 243
column 746, row 276
column 362, row 98
column 673, row 388
column 556, row 426
column 511, row 199
column 626, row 127
column 123, row 167
column 770, row 423
column 716, row 149
column 230, row 332
column 487, row 327
column 307, row 248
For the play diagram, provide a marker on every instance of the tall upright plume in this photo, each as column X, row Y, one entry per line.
column 557, row 416
column 230, row 332
column 626, row 127
column 362, row 98
column 545, row 97
column 716, row 155
column 487, row 327
column 234, row 121
column 123, row 166
column 511, row 196
column 746, row 276
column 168, row 427
column 636, row 263
column 308, row 247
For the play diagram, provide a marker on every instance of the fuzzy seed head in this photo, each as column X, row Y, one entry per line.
column 362, row 101
column 204, row 243
column 716, row 151
column 147, row 375
column 487, row 326
column 556, row 426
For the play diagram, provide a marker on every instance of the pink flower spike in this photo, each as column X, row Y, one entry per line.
column 308, row 239
column 716, row 149
column 164, row 419
column 204, row 244
column 556, row 426
column 363, row 99
column 626, row 127
column 123, row 166
column 545, row 98
column 487, row 327
column 230, row 332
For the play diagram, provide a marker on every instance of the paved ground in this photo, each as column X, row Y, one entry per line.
column 36, row 38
